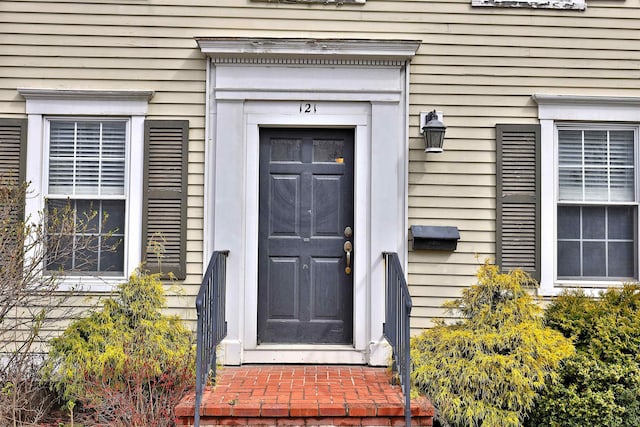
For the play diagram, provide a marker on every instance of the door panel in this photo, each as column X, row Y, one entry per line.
column 306, row 201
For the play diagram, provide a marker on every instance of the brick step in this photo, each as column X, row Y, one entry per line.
column 297, row 395
column 311, row 422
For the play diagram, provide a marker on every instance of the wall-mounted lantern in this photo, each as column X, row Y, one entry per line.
column 432, row 129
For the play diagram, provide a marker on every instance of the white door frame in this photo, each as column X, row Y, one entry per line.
column 301, row 83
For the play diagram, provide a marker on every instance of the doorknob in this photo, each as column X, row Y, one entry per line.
column 348, row 247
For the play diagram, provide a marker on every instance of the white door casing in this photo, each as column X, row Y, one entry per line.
column 253, row 83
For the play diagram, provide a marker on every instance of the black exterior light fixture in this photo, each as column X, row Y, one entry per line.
column 433, row 131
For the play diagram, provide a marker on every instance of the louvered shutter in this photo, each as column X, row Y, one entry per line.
column 165, row 195
column 13, row 144
column 518, row 198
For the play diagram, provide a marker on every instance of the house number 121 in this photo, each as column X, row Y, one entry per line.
column 307, row 108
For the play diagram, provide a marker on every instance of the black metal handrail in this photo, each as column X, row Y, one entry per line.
column 397, row 325
column 212, row 326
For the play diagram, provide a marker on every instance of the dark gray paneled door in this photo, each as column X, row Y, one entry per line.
column 305, row 291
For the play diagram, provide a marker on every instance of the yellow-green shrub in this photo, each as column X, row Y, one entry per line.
column 125, row 357
column 487, row 368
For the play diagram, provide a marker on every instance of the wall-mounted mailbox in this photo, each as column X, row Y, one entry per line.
column 435, row 238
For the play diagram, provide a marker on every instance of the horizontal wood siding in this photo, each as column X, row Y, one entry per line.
column 479, row 66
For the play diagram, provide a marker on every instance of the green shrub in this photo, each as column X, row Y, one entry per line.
column 127, row 363
column 486, row 369
column 600, row 384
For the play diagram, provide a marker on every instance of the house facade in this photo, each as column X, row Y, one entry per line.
column 289, row 134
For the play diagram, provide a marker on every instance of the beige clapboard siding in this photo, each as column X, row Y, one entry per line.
column 463, row 225
column 459, row 146
column 466, row 191
column 478, row 65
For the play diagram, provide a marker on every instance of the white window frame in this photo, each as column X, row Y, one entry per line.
column 45, row 104
column 588, row 112
column 48, row 195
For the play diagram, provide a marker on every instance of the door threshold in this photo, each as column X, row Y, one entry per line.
column 305, row 353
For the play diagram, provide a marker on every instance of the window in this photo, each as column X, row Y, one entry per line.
column 596, row 204
column 588, row 191
column 85, row 152
column 87, row 171
column 125, row 177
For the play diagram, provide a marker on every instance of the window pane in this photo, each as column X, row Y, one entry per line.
column 60, row 176
column 87, row 216
column 62, row 139
column 86, row 253
column 594, row 259
column 113, row 133
column 112, row 178
column 59, row 252
column 570, row 148
column 568, row 222
column 87, row 177
column 593, row 222
column 328, row 151
column 112, row 255
column 621, row 148
column 568, row 259
column 621, row 222
column 596, row 185
column 286, row 150
column 113, row 216
column 571, row 184
column 595, row 148
column 622, row 260
column 622, row 185
column 88, row 140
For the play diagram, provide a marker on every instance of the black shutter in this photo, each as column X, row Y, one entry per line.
column 164, row 210
column 518, row 198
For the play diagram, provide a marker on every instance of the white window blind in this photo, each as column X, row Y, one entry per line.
column 87, row 158
column 596, row 165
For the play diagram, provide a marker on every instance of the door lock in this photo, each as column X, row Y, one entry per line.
column 348, row 247
column 348, row 232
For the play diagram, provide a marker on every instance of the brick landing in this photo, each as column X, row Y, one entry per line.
column 291, row 395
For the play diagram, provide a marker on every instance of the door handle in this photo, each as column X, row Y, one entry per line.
column 348, row 247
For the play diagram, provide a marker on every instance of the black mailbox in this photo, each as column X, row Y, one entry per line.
column 435, row 238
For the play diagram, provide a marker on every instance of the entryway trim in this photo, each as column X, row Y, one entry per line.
column 297, row 92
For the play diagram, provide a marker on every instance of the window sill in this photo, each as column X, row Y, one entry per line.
column 589, row 287
column 90, row 284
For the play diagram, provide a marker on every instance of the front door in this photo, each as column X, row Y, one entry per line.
column 305, row 280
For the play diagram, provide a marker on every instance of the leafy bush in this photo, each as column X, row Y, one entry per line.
column 487, row 368
column 600, row 384
column 127, row 363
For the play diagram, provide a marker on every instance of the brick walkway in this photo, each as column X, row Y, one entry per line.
column 304, row 396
